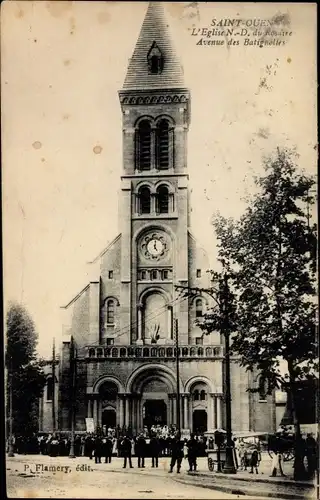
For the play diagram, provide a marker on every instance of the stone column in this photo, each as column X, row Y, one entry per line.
column 139, row 413
column 215, row 412
column 169, row 409
column 95, row 412
column 121, row 404
column 89, row 409
column 174, row 404
column 139, row 339
column 153, row 153
column 100, row 413
column 181, row 411
column 127, row 418
column 218, row 411
column 211, row 412
column 190, row 413
column 169, row 322
column 133, row 413
column 186, row 411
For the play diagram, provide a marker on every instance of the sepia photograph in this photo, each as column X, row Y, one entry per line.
column 159, row 193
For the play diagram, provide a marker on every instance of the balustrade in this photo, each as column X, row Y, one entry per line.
column 154, row 352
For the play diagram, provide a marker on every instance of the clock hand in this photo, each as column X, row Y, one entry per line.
column 155, row 244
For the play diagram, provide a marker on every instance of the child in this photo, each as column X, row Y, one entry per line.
column 254, row 462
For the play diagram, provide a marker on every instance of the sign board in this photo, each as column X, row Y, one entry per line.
column 185, row 434
column 89, row 425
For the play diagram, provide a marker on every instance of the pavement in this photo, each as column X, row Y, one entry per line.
column 58, row 477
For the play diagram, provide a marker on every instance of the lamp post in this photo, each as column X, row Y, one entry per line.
column 73, row 381
column 221, row 298
column 53, row 386
column 229, row 467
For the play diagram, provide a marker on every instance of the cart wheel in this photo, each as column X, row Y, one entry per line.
column 210, row 465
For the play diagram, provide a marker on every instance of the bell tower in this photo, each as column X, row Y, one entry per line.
column 154, row 209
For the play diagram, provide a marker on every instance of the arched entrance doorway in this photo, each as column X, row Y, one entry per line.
column 153, row 389
column 200, row 421
column 154, row 413
column 109, row 418
column 108, row 393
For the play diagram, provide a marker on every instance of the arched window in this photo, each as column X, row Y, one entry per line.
column 162, row 200
column 199, row 312
column 144, row 200
column 143, row 146
column 49, row 389
column 163, row 145
column 196, row 395
column 110, row 312
column 203, row 395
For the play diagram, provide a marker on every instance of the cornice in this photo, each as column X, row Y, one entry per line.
column 149, row 97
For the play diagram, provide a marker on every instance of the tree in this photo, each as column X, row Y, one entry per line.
column 271, row 251
column 24, row 371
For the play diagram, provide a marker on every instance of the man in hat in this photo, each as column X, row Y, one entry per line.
column 126, row 451
column 140, row 450
column 177, row 452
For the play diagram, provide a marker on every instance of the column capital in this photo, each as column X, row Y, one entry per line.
column 125, row 395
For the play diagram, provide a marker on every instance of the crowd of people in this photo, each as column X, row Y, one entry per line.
column 154, row 442
column 159, row 441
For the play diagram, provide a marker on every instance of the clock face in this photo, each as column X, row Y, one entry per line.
column 155, row 247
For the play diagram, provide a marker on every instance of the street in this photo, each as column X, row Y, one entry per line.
column 32, row 476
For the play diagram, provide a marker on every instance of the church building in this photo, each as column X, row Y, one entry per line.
column 124, row 322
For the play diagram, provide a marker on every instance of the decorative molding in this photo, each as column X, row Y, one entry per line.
column 150, row 99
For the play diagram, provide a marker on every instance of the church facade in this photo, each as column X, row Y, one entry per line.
column 125, row 321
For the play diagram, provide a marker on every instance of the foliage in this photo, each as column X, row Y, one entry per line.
column 268, row 303
column 271, row 251
column 24, row 371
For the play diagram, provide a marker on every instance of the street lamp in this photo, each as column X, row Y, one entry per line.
column 229, row 467
column 73, row 382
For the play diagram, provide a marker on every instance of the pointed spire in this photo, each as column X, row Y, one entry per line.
column 154, row 34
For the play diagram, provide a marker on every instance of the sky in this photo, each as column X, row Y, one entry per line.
column 62, row 66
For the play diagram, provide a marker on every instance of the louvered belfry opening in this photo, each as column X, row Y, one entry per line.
column 144, row 200
column 163, row 199
column 144, row 145
column 163, row 145
column 155, row 60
